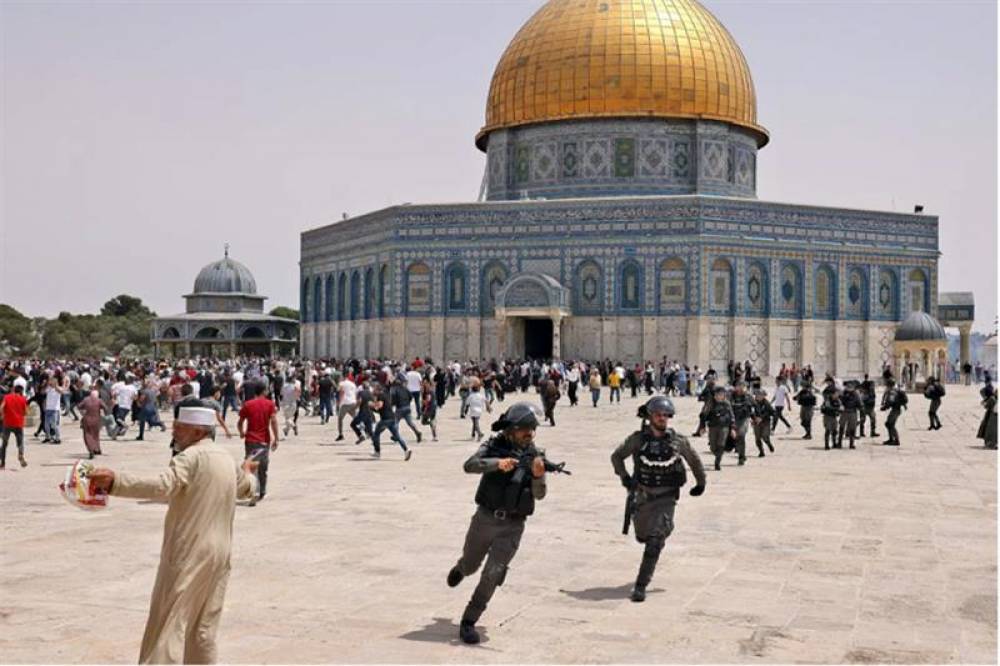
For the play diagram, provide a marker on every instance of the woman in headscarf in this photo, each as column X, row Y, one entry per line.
column 988, row 426
column 91, row 409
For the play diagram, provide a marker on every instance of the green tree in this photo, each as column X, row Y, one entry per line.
column 287, row 313
column 124, row 305
column 17, row 332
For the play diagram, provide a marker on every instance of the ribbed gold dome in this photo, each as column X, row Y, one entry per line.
column 577, row 59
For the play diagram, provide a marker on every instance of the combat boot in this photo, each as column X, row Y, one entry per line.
column 467, row 632
column 638, row 593
column 455, row 577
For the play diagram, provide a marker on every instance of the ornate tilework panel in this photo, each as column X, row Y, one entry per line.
column 570, row 162
column 731, row 163
column 789, row 344
column 588, row 288
column 547, row 265
column 680, row 159
column 522, row 164
column 789, row 296
column 494, row 275
column 418, row 289
column 456, row 285
column 855, row 350
column 713, row 160
column 886, row 336
column 624, row 158
column 857, row 294
column 497, row 165
column 653, row 160
column 721, row 287
column 887, row 294
column 744, row 168
column 917, row 291
column 825, row 298
column 756, row 342
column 597, row 158
column 630, row 286
column 719, row 355
column 527, row 294
column 673, row 285
column 543, row 162
column 757, row 288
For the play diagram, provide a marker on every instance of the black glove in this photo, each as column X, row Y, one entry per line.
column 627, row 482
column 697, row 490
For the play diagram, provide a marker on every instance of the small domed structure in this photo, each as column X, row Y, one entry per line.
column 224, row 317
column 920, row 348
column 920, row 326
column 225, row 276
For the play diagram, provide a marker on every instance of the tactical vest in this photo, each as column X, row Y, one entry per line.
column 507, row 491
column 658, row 462
column 742, row 407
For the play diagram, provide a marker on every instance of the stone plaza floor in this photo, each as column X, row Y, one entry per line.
column 878, row 555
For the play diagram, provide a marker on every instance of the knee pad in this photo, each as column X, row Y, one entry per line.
column 496, row 574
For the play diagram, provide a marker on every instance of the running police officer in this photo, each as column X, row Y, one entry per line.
column 893, row 400
column 934, row 391
column 658, row 474
column 807, row 403
column 743, row 411
column 763, row 413
column 721, row 425
column 513, row 478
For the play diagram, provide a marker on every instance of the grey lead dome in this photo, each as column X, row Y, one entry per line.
column 226, row 276
column 920, row 326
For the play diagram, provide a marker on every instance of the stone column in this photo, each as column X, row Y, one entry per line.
column 187, row 349
column 965, row 353
column 501, row 335
column 556, row 337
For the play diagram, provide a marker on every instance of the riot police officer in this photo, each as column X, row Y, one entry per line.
column 706, row 398
column 867, row 407
column 806, row 399
column 849, row 420
column 513, row 477
column 743, row 411
column 721, row 425
column 893, row 400
column 657, row 477
column 934, row 391
column 831, row 410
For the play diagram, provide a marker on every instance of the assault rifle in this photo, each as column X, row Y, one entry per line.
column 629, row 510
column 527, row 458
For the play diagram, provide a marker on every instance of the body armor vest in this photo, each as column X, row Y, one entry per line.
column 508, row 491
column 658, row 462
column 742, row 407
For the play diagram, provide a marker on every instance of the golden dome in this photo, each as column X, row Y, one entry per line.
column 579, row 59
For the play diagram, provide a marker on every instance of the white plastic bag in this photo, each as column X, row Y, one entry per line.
column 76, row 489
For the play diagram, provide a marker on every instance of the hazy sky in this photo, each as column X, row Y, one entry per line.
column 138, row 138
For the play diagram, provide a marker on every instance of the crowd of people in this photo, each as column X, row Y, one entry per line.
column 375, row 397
column 115, row 395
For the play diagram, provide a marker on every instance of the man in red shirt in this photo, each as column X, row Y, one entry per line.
column 258, row 426
column 14, row 407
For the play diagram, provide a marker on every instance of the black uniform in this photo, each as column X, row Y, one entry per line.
column 806, row 400
column 849, row 421
column 894, row 400
column 504, row 500
column 763, row 413
column 743, row 411
column 658, row 476
column 706, row 398
column 831, row 410
column 720, row 420
column 867, row 389
column 934, row 392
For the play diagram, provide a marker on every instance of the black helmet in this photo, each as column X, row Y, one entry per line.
column 659, row 403
column 520, row 415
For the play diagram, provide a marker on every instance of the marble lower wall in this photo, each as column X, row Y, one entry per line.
column 845, row 348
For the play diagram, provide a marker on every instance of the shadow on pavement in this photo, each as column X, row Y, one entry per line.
column 620, row 592
column 442, row 630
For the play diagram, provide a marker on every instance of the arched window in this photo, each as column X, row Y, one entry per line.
column 825, row 304
column 857, row 294
column 494, row 275
column 886, row 296
column 790, row 289
column 369, row 293
column 383, row 286
column 418, row 289
column 342, row 297
column 317, row 301
column 355, row 295
column 455, row 286
column 630, row 286
column 304, row 302
column 917, row 288
column 721, row 287
column 757, row 288
column 673, row 284
column 330, row 286
column 588, row 288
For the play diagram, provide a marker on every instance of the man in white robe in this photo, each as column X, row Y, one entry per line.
column 201, row 486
